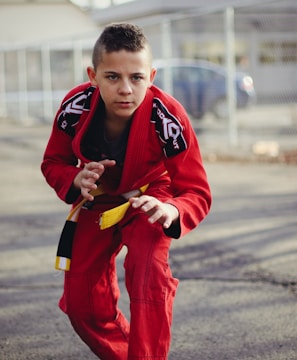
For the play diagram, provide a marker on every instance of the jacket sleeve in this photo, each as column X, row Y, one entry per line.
column 183, row 161
column 60, row 165
column 190, row 187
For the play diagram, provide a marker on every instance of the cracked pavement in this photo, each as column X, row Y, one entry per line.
column 237, row 297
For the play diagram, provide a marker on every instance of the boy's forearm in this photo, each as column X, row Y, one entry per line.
column 60, row 177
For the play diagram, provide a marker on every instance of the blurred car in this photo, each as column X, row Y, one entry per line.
column 201, row 86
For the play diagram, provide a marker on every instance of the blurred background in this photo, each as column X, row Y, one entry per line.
column 233, row 64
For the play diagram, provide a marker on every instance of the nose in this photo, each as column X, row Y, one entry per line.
column 125, row 87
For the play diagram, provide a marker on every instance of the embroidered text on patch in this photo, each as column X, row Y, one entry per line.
column 72, row 110
column 168, row 128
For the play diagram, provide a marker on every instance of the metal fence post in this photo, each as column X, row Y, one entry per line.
column 230, row 67
column 3, row 101
column 167, row 55
column 46, row 83
column 23, row 89
column 77, row 55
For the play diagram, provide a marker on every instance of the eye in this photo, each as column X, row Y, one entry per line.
column 112, row 77
column 137, row 78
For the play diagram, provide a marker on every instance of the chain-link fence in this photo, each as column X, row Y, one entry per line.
column 256, row 48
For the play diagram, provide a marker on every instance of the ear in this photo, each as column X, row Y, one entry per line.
column 152, row 75
column 92, row 75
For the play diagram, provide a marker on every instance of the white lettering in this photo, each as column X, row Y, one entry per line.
column 170, row 129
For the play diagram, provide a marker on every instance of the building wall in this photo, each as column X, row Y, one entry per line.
column 265, row 46
column 38, row 65
column 36, row 22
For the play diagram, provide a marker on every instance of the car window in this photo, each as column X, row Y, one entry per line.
column 189, row 74
column 194, row 74
column 208, row 74
column 186, row 74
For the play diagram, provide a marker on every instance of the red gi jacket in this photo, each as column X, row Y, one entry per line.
column 161, row 139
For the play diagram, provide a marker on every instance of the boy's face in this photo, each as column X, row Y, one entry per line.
column 123, row 78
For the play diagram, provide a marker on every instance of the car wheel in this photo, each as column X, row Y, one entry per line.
column 220, row 109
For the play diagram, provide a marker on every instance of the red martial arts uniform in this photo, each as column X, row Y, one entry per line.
column 162, row 151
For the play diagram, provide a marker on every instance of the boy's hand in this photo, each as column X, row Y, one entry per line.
column 156, row 210
column 86, row 179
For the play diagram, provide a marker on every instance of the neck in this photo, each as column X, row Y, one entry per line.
column 114, row 127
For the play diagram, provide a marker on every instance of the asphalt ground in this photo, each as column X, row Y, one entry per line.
column 237, row 298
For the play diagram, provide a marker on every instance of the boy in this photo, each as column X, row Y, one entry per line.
column 132, row 143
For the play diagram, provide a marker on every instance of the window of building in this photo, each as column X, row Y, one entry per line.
column 276, row 52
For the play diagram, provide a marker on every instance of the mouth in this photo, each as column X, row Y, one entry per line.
column 124, row 104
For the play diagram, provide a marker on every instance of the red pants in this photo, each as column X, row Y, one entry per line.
column 91, row 289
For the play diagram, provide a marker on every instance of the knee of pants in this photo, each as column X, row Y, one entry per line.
column 147, row 272
column 150, row 282
column 88, row 298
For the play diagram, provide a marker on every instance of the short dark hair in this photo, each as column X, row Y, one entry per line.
column 116, row 37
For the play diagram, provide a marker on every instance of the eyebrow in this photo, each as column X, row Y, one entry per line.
column 116, row 73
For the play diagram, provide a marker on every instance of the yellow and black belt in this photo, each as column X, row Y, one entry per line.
column 107, row 219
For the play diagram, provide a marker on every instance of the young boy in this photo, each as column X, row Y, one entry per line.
column 123, row 137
